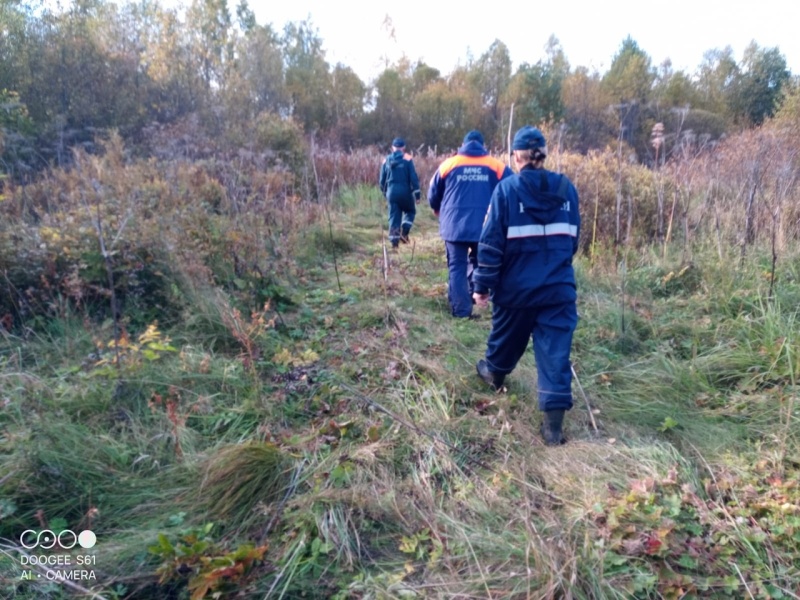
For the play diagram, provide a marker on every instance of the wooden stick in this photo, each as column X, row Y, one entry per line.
column 588, row 406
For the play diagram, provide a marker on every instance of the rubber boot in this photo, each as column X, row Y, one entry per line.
column 494, row 380
column 551, row 427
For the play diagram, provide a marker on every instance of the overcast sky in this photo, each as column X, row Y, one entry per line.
column 445, row 34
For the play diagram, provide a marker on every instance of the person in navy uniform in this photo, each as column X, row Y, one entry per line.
column 459, row 195
column 525, row 260
column 399, row 183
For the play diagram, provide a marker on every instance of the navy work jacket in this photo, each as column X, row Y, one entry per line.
column 528, row 241
column 460, row 191
column 398, row 178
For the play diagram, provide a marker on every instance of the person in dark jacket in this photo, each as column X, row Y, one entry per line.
column 459, row 195
column 525, row 260
column 399, row 184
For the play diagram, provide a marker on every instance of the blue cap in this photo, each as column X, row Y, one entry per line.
column 399, row 142
column 529, row 138
column 473, row 136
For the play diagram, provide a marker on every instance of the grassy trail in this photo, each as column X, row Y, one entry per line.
column 336, row 442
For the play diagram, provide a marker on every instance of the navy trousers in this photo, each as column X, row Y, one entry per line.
column 401, row 218
column 462, row 259
column 551, row 328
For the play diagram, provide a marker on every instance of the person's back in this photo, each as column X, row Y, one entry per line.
column 461, row 187
column 459, row 195
column 538, row 235
column 399, row 184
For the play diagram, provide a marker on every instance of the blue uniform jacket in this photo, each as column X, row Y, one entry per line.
column 398, row 179
column 528, row 241
column 460, row 191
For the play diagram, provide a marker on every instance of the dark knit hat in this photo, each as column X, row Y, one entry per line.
column 473, row 136
column 529, row 138
column 399, row 142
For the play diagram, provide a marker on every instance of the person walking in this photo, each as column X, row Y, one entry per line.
column 459, row 195
column 399, row 184
column 525, row 260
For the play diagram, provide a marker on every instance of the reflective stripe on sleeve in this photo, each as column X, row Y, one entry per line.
column 521, row 231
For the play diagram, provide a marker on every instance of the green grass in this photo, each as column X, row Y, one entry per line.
column 343, row 428
column 241, row 481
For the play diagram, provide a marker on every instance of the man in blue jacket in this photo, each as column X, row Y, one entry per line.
column 399, row 183
column 525, row 259
column 459, row 195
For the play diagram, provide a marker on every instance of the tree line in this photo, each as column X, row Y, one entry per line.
column 212, row 71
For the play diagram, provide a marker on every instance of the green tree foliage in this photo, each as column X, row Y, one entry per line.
column 348, row 96
column 536, row 90
column 206, row 70
column 762, row 77
column 490, row 75
column 673, row 98
column 716, row 81
column 423, row 76
column 13, row 43
column 209, row 23
column 255, row 83
column 176, row 85
column 586, row 111
column 282, row 137
column 442, row 115
column 245, row 17
column 788, row 115
column 390, row 115
column 308, row 78
column 745, row 93
column 16, row 131
column 398, row 95
column 628, row 83
column 673, row 88
column 630, row 77
column 85, row 75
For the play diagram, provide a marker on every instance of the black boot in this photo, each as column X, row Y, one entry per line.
column 551, row 427
column 495, row 380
